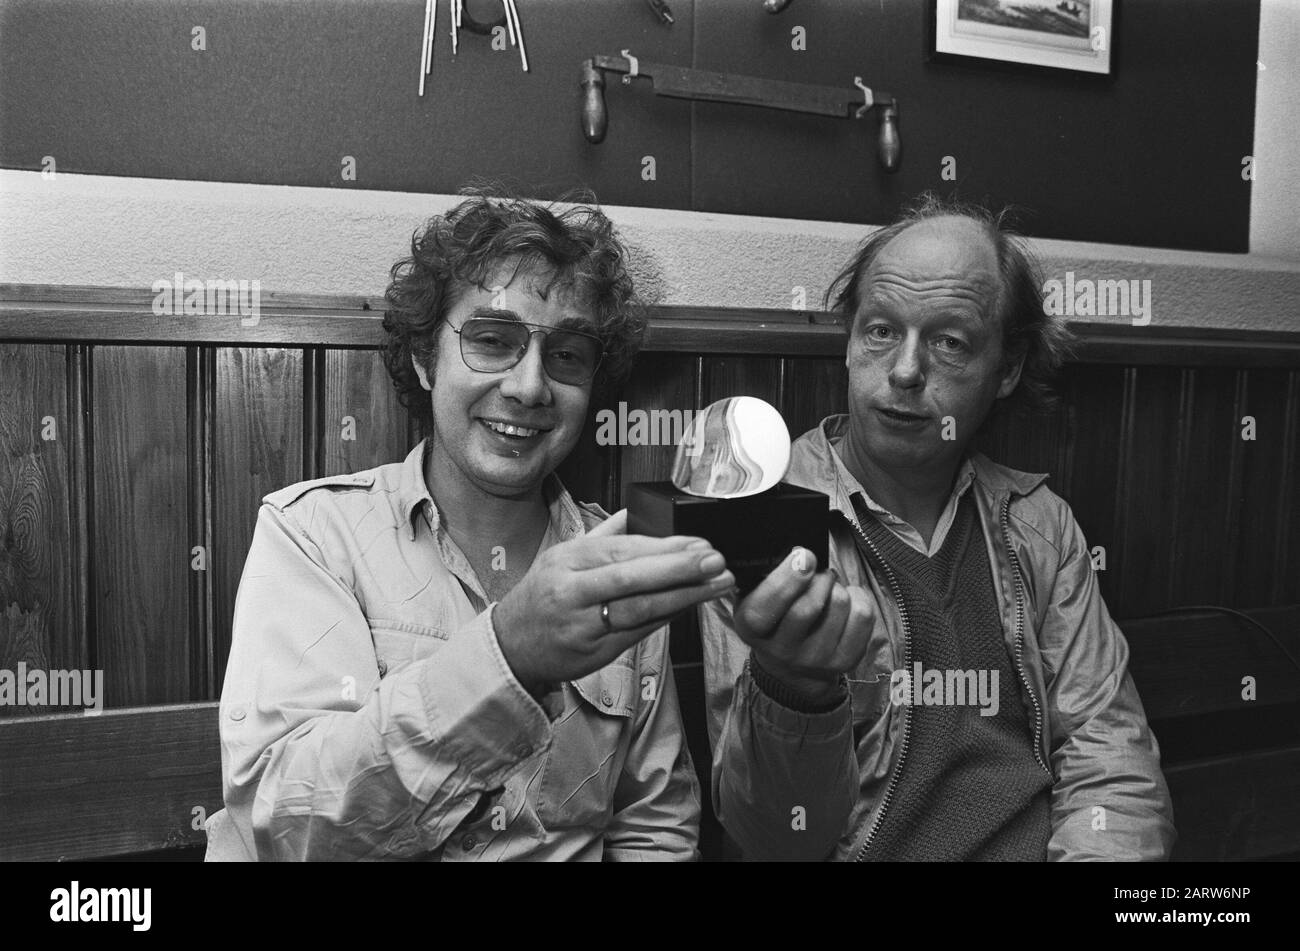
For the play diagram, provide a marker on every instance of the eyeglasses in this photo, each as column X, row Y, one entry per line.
column 493, row 345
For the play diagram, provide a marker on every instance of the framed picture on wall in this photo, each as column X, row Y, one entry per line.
column 1058, row 34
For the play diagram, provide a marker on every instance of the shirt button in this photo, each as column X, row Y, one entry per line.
column 383, row 668
column 468, row 843
column 606, row 699
column 237, row 714
column 523, row 751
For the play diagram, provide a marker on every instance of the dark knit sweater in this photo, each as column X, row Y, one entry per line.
column 971, row 787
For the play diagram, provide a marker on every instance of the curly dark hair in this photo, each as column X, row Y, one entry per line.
column 575, row 246
column 1027, row 328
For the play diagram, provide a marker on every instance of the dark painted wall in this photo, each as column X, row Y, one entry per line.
column 1149, row 156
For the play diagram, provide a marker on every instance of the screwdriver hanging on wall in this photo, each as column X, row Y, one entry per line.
column 508, row 21
column 662, row 11
column 680, row 82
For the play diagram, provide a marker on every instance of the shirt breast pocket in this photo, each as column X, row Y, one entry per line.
column 399, row 644
column 587, row 751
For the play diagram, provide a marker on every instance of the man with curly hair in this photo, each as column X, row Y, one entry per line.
column 989, row 715
column 449, row 658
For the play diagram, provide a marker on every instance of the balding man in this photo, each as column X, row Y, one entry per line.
column 987, row 713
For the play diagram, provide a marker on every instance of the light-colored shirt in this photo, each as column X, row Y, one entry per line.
column 900, row 527
column 368, row 711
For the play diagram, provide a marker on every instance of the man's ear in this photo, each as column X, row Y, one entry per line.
column 1011, row 368
column 420, row 372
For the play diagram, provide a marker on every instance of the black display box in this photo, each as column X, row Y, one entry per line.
column 754, row 533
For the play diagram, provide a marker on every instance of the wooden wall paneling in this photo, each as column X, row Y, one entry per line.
column 1034, row 440
column 79, row 490
column 1031, row 441
column 357, row 385
column 1066, row 445
column 413, row 431
column 667, row 382
column 1261, row 515
column 200, row 367
column 996, row 439
column 588, row 471
column 1116, row 344
column 257, row 448
column 1233, row 487
column 313, row 408
column 1201, row 477
column 142, row 544
column 743, row 376
column 1094, row 397
column 42, row 620
column 814, row 389
column 1286, row 574
column 1147, row 519
column 1123, row 483
column 79, row 314
column 662, row 381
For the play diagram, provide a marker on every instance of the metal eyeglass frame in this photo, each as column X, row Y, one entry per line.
column 542, row 329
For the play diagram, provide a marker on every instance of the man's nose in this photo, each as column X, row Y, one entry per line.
column 909, row 359
column 527, row 381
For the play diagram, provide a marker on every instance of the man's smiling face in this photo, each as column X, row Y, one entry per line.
column 472, row 409
column 926, row 344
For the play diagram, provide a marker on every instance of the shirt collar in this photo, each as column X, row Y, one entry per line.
column 412, row 491
column 851, row 486
column 566, row 518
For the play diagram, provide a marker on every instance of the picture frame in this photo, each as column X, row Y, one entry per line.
column 1073, row 35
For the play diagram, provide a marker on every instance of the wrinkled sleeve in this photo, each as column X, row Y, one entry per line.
column 1110, row 800
column 784, row 782
column 323, row 759
column 657, row 799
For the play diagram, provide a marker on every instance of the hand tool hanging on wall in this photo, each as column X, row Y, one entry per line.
column 665, row 13
column 662, row 11
column 509, row 19
column 680, row 82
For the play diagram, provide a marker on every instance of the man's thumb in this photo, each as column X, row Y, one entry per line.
column 616, row 524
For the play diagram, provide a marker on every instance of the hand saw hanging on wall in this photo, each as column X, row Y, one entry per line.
column 680, row 82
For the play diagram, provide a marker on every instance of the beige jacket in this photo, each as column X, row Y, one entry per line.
column 368, row 712
column 790, row 785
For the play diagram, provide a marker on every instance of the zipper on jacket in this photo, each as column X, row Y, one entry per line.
column 907, row 713
column 1020, row 635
